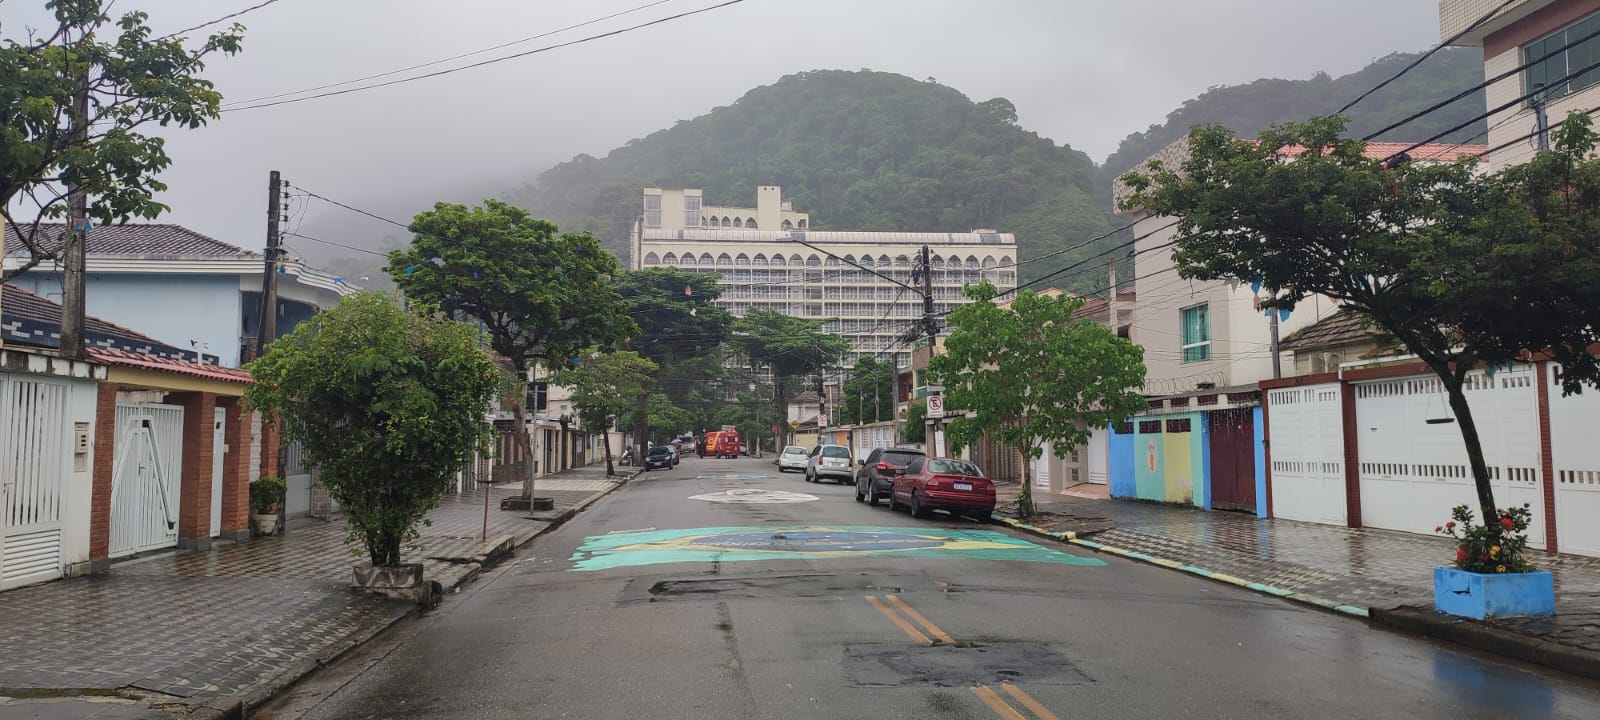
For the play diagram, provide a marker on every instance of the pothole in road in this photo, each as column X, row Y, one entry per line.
column 775, row 586
column 961, row 665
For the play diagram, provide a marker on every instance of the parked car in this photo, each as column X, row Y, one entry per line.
column 875, row 473
column 676, row 455
column 660, row 456
column 955, row 486
column 793, row 457
column 829, row 461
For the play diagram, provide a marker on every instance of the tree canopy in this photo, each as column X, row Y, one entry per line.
column 682, row 331
column 132, row 80
column 868, row 393
column 791, row 348
column 1467, row 271
column 603, row 388
column 1029, row 373
column 386, row 404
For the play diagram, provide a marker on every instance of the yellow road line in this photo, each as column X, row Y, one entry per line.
column 996, row 704
column 1031, row 704
column 896, row 619
column 914, row 615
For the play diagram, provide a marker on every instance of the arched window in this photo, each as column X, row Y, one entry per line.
column 688, row 260
column 760, row 260
column 937, row 261
column 1005, row 261
column 972, row 261
column 796, row 260
column 802, row 223
column 988, row 262
column 742, row 260
column 788, row 225
column 778, row 261
column 831, row 262
column 750, row 224
column 850, row 260
column 902, row 261
column 724, row 260
column 884, row 261
column 738, row 222
column 955, row 263
column 814, row 261
column 726, row 222
column 652, row 259
column 706, row 260
column 866, row 261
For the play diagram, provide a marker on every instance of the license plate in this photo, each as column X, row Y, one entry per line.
column 963, row 486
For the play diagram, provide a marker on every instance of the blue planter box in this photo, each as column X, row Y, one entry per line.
column 1480, row 596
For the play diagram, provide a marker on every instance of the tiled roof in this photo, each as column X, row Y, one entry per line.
column 136, row 240
column 1341, row 328
column 29, row 319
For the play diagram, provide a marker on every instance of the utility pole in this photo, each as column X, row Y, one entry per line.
column 267, row 327
column 76, row 238
column 1541, row 120
column 931, row 327
column 1272, row 325
column 1111, row 301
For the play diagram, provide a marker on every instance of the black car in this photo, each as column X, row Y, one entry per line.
column 875, row 473
column 660, row 456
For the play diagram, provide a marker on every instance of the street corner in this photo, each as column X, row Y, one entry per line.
column 736, row 544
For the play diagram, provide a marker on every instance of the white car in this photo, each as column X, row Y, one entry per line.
column 792, row 458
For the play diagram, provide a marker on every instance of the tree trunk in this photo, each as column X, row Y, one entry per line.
column 641, row 428
column 384, row 550
column 605, row 439
column 524, row 442
column 1025, row 507
column 780, row 396
column 1469, row 435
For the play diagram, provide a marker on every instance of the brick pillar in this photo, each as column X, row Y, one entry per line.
column 1547, row 462
column 236, row 472
column 194, row 497
column 105, row 437
column 269, row 448
column 1352, row 455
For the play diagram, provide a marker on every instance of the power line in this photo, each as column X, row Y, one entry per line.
column 453, row 57
column 330, row 242
column 1408, row 68
column 490, row 61
column 229, row 16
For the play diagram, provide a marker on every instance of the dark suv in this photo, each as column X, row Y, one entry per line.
column 875, row 473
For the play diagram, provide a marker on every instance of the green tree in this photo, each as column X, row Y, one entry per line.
column 663, row 420
column 603, row 387
column 791, row 348
column 1464, row 271
column 681, row 330
column 386, row 404
column 753, row 422
column 868, row 394
column 1030, row 373
column 131, row 80
column 538, row 294
column 915, row 428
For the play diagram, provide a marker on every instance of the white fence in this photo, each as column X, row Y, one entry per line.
column 1575, row 449
column 35, row 454
column 1307, row 439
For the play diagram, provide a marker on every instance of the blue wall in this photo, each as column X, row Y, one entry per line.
column 1119, row 452
column 174, row 309
column 1261, row 463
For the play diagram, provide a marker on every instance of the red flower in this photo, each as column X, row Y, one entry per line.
column 1507, row 524
column 1450, row 524
column 1439, row 529
column 1461, row 554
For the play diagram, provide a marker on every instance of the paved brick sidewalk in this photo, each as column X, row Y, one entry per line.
column 205, row 627
column 1371, row 569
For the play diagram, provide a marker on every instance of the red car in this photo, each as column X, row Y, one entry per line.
column 935, row 483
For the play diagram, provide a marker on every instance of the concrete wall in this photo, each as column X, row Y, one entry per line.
column 1171, row 466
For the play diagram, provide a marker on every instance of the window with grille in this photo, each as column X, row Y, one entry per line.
column 652, row 210
column 1196, row 333
column 1552, row 72
column 691, row 211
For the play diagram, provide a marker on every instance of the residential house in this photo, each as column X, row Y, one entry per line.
column 1553, row 35
column 136, row 447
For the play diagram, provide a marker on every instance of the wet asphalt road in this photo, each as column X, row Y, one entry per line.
column 959, row 624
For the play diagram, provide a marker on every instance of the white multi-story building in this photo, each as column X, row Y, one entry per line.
column 768, row 256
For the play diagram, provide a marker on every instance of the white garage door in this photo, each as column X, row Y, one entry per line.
column 1307, row 445
column 35, row 452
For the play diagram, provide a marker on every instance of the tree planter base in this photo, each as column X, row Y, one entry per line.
column 396, row 582
column 521, row 503
column 1483, row 596
column 265, row 523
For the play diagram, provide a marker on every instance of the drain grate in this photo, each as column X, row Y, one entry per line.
column 962, row 665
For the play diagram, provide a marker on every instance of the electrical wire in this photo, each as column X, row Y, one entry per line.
column 1408, row 68
column 229, row 16
column 490, row 61
column 481, row 51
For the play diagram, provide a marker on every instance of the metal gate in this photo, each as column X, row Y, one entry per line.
column 147, row 471
column 35, row 454
column 297, row 481
column 1576, row 456
column 1307, row 425
column 219, row 446
column 1233, row 458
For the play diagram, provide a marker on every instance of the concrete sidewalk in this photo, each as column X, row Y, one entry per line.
column 208, row 633
column 1382, row 575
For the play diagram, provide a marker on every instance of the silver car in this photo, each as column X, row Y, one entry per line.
column 831, row 462
column 792, row 458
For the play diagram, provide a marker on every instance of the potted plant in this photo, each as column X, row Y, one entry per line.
column 1491, row 578
column 265, row 495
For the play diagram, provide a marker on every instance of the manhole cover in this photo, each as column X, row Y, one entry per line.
column 959, row 665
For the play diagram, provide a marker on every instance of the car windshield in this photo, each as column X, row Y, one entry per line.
column 836, row 451
column 794, row 450
column 954, row 467
column 899, row 458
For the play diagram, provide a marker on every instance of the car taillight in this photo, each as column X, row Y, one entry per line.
column 933, row 483
column 885, row 466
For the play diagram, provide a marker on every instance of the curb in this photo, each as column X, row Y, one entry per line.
column 234, row 707
column 1302, row 598
column 1488, row 638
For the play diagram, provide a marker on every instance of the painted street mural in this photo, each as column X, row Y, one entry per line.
column 752, row 496
column 734, row 544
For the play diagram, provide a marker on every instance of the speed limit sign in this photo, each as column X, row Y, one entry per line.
column 935, row 406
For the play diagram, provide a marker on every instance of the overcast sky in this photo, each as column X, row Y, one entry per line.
column 1082, row 72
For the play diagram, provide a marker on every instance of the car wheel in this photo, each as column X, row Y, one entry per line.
column 872, row 493
column 894, row 503
column 860, row 497
column 917, row 510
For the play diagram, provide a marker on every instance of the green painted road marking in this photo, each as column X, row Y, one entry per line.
column 735, row 544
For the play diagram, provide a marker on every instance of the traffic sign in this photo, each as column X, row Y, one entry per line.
column 794, row 424
column 935, row 406
column 774, row 429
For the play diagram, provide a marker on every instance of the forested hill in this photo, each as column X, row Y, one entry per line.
column 1252, row 107
column 858, row 151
